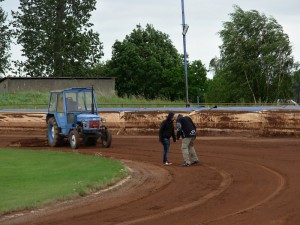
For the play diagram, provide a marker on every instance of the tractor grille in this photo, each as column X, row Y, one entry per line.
column 94, row 124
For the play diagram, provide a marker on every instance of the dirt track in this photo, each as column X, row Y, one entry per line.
column 251, row 181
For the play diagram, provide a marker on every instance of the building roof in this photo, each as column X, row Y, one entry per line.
column 56, row 78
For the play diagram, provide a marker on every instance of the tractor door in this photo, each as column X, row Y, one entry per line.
column 60, row 113
column 72, row 109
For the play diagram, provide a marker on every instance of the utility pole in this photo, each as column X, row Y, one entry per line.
column 185, row 28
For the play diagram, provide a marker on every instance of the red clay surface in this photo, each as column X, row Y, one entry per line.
column 250, row 181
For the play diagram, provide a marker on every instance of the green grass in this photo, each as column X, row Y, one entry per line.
column 35, row 100
column 115, row 101
column 39, row 100
column 30, row 179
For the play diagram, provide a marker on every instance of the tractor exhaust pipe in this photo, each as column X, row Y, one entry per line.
column 92, row 106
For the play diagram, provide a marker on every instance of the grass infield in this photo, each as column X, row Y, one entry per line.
column 31, row 178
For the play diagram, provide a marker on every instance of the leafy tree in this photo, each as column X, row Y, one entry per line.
column 296, row 84
column 5, row 40
column 196, row 81
column 56, row 36
column 98, row 70
column 215, row 90
column 220, row 89
column 256, row 61
column 147, row 64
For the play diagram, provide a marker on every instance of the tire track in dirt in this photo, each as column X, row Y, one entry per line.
column 226, row 182
column 279, row 188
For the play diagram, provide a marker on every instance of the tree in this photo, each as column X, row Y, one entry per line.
column 197, row 81
column 255, row 57
column 5, row 40
column 56, row 37
column 296, row 83
column 147, row 64
column 98, row 70
column 220, row 89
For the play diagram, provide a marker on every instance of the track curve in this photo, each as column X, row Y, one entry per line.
column 239, row 181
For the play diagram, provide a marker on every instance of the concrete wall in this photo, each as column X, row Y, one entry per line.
column 4, row 87
column 102, row 86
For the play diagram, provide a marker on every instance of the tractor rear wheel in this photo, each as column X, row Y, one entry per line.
column 74, row 139
column 106, row 138
column 54, row 139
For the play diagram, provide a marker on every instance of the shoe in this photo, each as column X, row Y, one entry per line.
column 186, row 164
column 195, row 162
column 167, row 164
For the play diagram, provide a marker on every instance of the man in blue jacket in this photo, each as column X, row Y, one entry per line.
column 187, row 130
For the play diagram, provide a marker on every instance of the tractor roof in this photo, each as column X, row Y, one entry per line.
column 77, row 89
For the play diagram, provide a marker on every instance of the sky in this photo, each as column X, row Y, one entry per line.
column 114, row 19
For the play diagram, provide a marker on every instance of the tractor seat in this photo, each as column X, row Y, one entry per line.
column 71, row 105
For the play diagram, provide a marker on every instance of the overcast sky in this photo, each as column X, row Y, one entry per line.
column 114, row 19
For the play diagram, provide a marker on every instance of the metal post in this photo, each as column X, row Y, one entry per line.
column 185, row 27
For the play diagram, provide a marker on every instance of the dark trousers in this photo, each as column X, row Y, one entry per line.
column 166, row 144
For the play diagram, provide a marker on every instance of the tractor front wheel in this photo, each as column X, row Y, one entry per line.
column 106, row 138
column 74, row 139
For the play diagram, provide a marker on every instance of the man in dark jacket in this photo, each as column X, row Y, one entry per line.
column 187, row 130
column 166, row 131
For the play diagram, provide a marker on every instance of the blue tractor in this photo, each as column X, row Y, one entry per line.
column 73, row 117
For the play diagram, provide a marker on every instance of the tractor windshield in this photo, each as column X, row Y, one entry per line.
column 79, row 101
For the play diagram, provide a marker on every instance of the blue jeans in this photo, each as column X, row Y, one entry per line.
column 166, row 144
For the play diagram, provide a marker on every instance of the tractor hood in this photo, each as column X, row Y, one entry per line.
column 87, row 117
column 89, row 122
